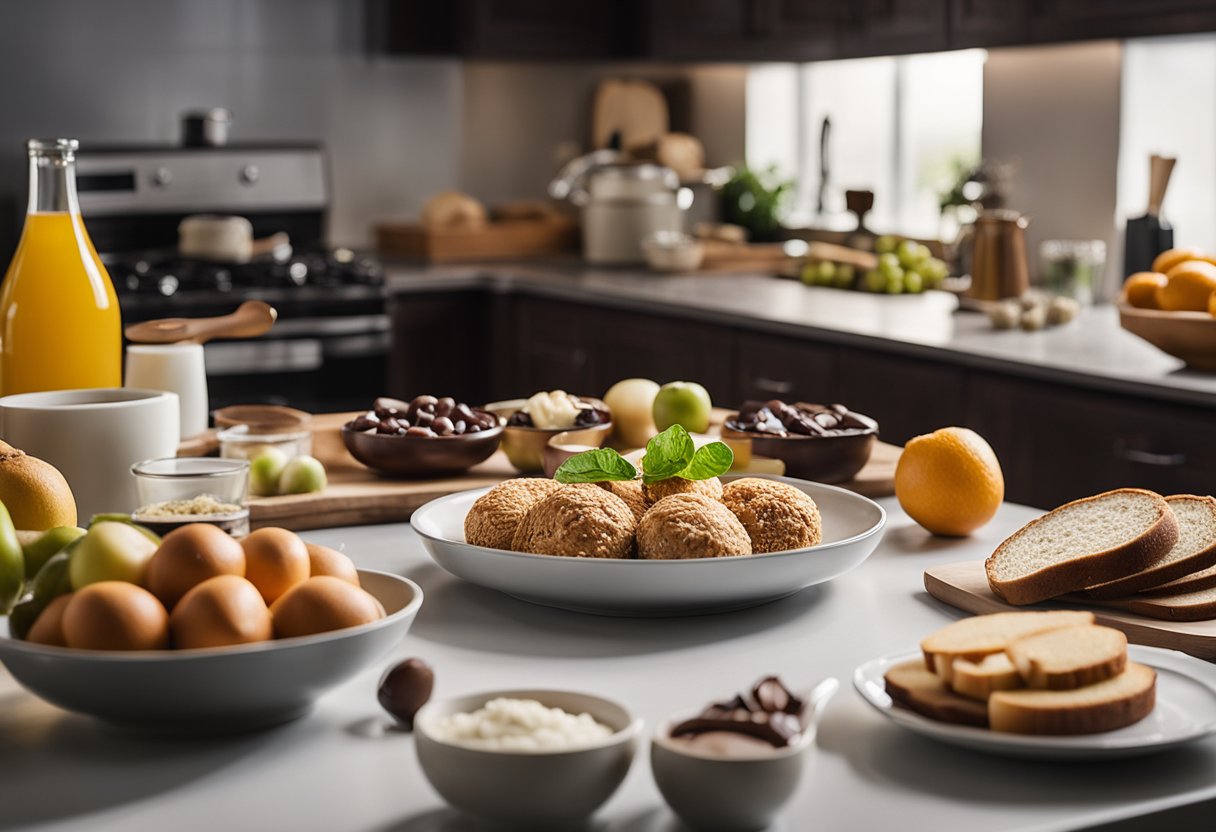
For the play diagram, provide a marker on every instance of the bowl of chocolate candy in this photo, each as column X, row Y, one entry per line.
column 428, row 436
column 820, row 442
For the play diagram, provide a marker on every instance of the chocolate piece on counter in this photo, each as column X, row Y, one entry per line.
column 405, row 688
column 772, row 714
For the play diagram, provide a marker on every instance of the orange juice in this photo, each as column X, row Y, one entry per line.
column 60, row 326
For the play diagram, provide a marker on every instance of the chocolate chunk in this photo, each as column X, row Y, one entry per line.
column 405, row 688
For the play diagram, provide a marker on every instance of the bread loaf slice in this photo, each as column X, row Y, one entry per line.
column 1106, row 706
column 1081, row 544
column 1070, row 657
column 1190, row 606
column 979, row 680
column 1203, row 579
column 981, row 635
column 1194, row 551
column 913, row 686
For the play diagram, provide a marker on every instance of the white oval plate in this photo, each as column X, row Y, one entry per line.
column 1185, row 711
column 852, row 528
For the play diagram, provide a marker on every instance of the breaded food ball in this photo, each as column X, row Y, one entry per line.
column 631, row 492
column 691, row 526
column 580, row 521
column 492, row 520
column 778, row 517
column 656, row 491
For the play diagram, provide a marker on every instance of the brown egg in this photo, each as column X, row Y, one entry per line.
column 275, row 561
column 115, row 615
column 321, row 604
column 48, row 626
column 326, row 561
column 223, row 610
column 190, row 555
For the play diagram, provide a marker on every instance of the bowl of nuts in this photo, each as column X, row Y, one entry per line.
column 824, row 443
column 428, row 436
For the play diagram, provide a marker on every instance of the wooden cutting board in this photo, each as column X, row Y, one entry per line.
column 964, row 585
column 357, row 496
column 497, row 240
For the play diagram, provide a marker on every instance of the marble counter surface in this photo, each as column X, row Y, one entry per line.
column 1093, row 352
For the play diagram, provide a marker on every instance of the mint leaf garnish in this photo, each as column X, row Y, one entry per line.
column 599, row 465
column 709, row 461
column 667, row 454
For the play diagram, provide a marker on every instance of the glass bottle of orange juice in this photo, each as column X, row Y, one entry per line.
column 60, row 326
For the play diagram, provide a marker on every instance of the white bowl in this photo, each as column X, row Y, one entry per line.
column 214, row 689
column 852, row 528
column 733, row 795
column 529, row 790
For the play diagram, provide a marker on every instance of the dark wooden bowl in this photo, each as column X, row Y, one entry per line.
column 1190, row 336
column 818, row 458
column 421, row 456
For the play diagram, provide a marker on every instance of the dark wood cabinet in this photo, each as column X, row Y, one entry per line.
column 974, row 23
column 894, row 27
column 440, row 343
column 772, row 367
column 743, row 30
column 1063, row 20
column 906, row 396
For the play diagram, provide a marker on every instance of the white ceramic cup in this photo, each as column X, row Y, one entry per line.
column 94, row 437
column 173, row 368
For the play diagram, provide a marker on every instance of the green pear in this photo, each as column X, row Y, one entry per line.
column 110, row 551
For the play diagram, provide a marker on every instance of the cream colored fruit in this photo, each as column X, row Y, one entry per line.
column 35, row 493
column 632, row 404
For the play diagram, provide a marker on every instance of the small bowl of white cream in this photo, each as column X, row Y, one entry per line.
column 526, row 758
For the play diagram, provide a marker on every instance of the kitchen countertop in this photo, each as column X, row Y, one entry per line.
column 338, row 769
column 1093, row 352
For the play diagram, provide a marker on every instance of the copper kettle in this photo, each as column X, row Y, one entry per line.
column 998, row 256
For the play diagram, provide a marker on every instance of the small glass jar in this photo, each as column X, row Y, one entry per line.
column 176, row 491
column 1072, row 268
column 240, row 443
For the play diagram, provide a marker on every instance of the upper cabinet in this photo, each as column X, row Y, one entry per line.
column 759, row 30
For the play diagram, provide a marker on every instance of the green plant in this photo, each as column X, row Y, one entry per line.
column 756, row 200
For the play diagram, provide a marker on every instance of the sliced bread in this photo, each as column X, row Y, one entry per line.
column 1081, row 544
column 1070, row 657
column 1203, row 579
column 979, row 636
column 979, row 680
column 913, row 686
column 1194, row 551
column 1190, row 606
column 1115, row 703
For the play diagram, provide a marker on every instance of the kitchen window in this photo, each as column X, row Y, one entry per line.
column 903, row 127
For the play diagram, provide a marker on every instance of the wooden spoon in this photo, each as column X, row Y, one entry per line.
column 251, row 319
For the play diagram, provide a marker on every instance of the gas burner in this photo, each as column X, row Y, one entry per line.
column 322, row 269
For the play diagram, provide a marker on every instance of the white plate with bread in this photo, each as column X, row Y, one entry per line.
column 1045, row 685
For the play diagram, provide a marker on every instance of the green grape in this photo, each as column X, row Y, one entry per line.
column 808, row 273
column 874, row 281
column 909, row 254
column 914, row 284
column 935, row 270
column 846, row 275
column 894, row 285
column 886, row 244
column 888, row 264
column 825, row 273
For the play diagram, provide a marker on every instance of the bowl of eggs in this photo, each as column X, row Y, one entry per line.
column 200, row 632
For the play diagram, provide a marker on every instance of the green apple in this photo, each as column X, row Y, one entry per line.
column 265, row 469
column 685, row 403
column 110, row 551
column 43, row 545
column 302, row 475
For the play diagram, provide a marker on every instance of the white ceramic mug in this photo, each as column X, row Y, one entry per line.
column 173, row 368
column 94, row 437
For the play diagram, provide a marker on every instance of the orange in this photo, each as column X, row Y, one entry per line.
column 949, row 481
column 1169, row 258
column 1141, row 289
column 1188, row 287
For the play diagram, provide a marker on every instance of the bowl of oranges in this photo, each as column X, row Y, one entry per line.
column 1173, row 306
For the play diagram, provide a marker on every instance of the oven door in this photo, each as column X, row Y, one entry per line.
column 322, row 365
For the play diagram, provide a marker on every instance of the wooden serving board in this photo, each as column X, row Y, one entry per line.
column 497, row 240
column 965, row 586
column 358, row 496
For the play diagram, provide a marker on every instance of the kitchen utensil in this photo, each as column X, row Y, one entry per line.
column 731, row 794
column 251, row 319
column 852, row 528
column 825, row 133
column 94, row 437
column 1072, row 268
column 965, row 586
column 622, row 203
column 533, row 789
column 1190, row 336
column 174, row 368
column 214, row 690
column 998, row 260
column 421, row 456
column 1147, row 236
column 635, row 110
column 226, row 239
column 1185, row 712
column 206, row 128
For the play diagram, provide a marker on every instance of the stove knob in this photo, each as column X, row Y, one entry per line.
column 250, row 174
column 162, row 176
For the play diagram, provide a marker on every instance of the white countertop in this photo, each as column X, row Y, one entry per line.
column 339, row 770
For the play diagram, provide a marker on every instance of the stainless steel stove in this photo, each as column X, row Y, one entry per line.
column 329, row 348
